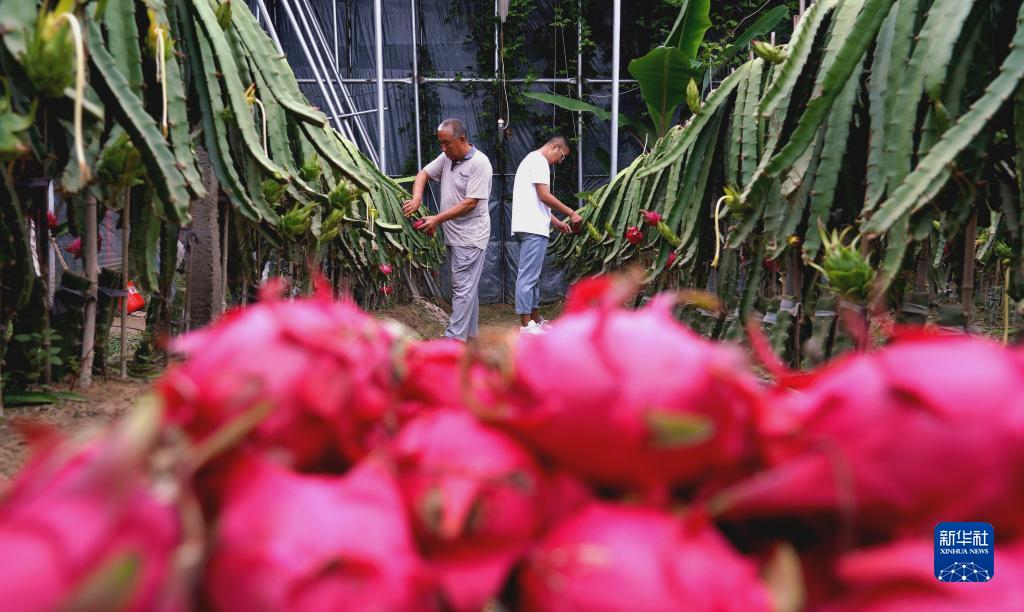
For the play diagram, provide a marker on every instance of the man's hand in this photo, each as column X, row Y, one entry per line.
column 409, row 207
column 575, row 222
column 428, row 225
column 561, row 226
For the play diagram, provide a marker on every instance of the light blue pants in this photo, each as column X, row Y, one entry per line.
column 532, row 248
column 466, row 265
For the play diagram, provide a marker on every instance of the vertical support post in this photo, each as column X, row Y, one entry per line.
column 3, row 330
column 967, row 282
column 91, row 273
column 270, row 25
column 500, row 153
column 496, row 22
column 579, row 94
column 616, row 31
column 793, row 286
column 334, row 110
column 125, row 229
column 316, row 34
column 223, row 306
column 416, row 87
column 378, row 28
column 39, row 200
column 924, row 265
column 334, row 28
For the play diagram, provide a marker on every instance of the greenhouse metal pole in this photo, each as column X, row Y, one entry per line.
column 315, row 30
column 320, row 70
column 616, row 27
column 305, row 52
column 416, row 88
column 498, row 39
column 126, row 229
column 334, row 28
column 270, row 26
column 378, row 32
column 579, row 94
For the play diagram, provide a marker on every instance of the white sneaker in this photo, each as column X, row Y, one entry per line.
column 545, row 324
column 531, row 328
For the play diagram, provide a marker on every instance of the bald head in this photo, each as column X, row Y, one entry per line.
column 555, row 150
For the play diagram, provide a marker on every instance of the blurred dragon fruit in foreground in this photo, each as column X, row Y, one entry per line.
column 929, row 429
column 82, row 525
column 306, row 456
column 322, row 369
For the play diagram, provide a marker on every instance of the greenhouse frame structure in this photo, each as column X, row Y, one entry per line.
column 333, row 87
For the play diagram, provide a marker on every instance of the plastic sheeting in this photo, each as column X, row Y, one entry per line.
column 446, row 49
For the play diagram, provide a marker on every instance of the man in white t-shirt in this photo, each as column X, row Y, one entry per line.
column 532, row 218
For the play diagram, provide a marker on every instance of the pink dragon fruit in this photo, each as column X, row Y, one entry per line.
column 76, row 513
column 385, row 269
column 51, row 221
column 898, row 577
column 927, row 429
column 652, row 217
column 75, row 246
column 430, row 373
column 288, row 541
column 387, row 290
column 630, row 398
column 474, row 495
column 322, row 367
column 671, row 259
column 634, row 235
column 588, row 293
column 609, row 557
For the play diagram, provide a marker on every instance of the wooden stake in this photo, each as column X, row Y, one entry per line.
column 924, row 264
column 43, row 253
column 125, row 229
column 967, row 282
column 3, row 330
column 224, row 262
column 92, row 274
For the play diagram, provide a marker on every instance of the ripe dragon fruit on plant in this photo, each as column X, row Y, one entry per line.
column 652, row 217
column 322, row 368
column 75, row 246
column 927, row 429
column 288, row 541
column 673, row 406
column 475, row 499
column 419, row 223
column 634, row 235
column 616, row 557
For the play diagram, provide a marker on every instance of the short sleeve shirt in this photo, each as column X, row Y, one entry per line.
column 467, row 178
column 529, row 214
